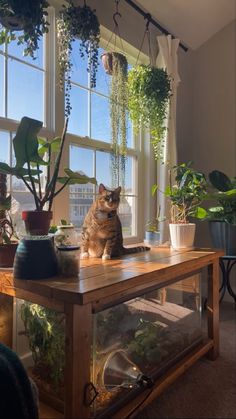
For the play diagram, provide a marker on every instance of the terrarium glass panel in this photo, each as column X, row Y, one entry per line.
column 40, row 343
column 136, row 341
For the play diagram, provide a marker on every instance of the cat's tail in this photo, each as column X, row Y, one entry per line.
column 129, row 250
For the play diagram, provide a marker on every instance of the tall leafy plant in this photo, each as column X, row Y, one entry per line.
column 77, row 22
column 118, row 115
column 25, row 15
column 149, row 91
column 30, row 152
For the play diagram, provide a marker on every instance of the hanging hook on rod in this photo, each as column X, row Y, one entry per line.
column 148, row 17
column 117, row 13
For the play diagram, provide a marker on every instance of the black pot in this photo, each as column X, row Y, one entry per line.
column 223, row 236
column 35, row 259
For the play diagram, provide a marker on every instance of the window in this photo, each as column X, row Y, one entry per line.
column 89, row 145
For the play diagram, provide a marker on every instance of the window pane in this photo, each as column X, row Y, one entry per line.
column 103, row 171
column 81, row 159
column 102, row 79
column 100, row 117
column 18, row 51
column 25, row 91
column 79, row 69
column 1, row 86
column 4, row 147
column 78, row 122
column 80, row 203
column 126, row 214
column 129, row 175
column 130, row 141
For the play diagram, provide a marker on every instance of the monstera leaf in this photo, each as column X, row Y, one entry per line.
column 75, row 177
column 26, row 142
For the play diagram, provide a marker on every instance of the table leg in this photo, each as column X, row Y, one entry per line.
column 213, row 308
column 77, row 359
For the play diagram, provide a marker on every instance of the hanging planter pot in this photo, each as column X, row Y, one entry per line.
column 106, row 58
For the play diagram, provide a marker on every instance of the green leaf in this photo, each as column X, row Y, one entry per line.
column 26, row 143
column 220, row 181
column 75, row 178
column 200, row 213
column 19, row 172
column 154, row 189
column 5, row 203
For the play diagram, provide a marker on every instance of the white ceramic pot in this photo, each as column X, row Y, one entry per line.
column 66, row 235
column 182, row 235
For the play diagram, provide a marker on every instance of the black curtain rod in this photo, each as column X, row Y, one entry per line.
column 151, row 20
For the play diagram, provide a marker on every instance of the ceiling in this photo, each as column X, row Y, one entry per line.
column 192, row 21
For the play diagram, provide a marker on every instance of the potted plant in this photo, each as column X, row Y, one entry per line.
column 8, row 238
column 27, row 16
column 152, row 233
column 149, row 91
column 185, row 196
column 77, row 22
column 29, row 154
column 222, row 216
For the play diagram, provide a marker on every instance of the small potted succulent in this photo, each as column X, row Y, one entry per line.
column 152, row 233
column 8, row 238
column 77, row 22
column 186, row 195
column 30, row 152
column 27, row 16
column 149, row 91
column 222, row 216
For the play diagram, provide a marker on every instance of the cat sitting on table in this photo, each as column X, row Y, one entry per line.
column 102, row 231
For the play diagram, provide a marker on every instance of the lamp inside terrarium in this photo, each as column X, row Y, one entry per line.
column 119, row 370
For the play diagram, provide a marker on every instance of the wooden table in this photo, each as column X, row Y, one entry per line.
column 104, row 283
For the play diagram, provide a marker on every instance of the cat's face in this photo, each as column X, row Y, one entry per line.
column 108, row 200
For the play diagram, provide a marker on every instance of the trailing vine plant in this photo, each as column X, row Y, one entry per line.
column 118, row 115
column 23, row 15
column 149, row 91
column 77, row 22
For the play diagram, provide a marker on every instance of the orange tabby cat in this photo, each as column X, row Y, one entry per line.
column 102, row 231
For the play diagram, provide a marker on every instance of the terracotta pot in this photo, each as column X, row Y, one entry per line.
column 7, row 254
column 106, row 58
column 37, row 223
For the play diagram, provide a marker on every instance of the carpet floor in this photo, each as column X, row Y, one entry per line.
column 208, row 389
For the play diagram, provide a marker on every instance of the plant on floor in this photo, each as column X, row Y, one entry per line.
column 26, row 15
column 224, row 195
column 29, row 154
column 44, row 329
column 149, row 91
column 118, row 115
column 77, row 22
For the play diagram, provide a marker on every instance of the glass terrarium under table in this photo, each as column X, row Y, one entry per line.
column 127, row 327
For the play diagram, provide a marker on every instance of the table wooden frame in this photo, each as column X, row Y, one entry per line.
column 106, row 283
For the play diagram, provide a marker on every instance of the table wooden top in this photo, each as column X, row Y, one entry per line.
column 99, row 280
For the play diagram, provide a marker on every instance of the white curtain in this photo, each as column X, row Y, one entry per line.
column 167, row 58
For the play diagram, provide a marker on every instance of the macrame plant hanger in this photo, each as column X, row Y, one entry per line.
column 146, row 35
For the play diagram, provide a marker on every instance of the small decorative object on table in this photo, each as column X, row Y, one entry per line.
column 66, row 235
column 68, row 260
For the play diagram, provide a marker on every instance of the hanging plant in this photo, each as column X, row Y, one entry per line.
column 77, row 22
column 23, row 15
column 149, row 91
column 118, row 115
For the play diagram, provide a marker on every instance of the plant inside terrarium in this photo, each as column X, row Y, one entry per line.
column 7, row 231
column 44, row 329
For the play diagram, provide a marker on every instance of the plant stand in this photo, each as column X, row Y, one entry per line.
column 226, row 265
column 109, row 284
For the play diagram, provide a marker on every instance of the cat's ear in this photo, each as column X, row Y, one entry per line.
column 118, row 190
column 101, row 188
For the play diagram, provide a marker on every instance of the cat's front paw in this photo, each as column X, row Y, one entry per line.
column 84, row 255
column 106, row 257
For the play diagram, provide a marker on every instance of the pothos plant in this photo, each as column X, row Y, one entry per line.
column 118, row 115
column 45, row 331
column 6, row 224
column 27, row 16
column 77, row 22
column 149, row 91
